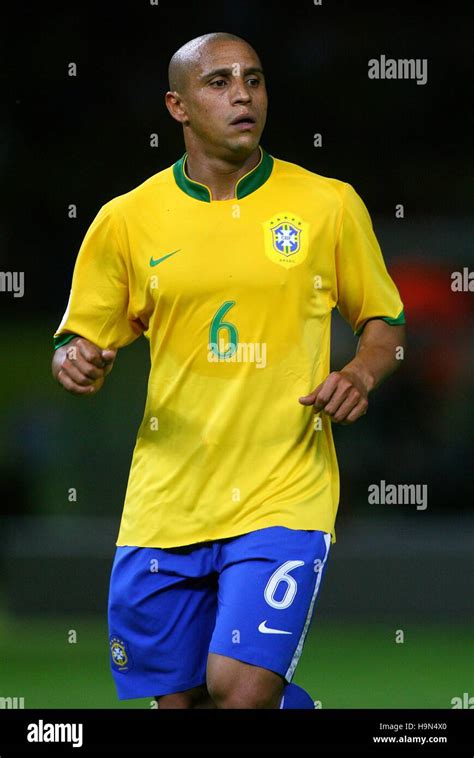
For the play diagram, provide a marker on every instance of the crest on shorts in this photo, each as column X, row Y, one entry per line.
column 286, row 239
column 120, row 653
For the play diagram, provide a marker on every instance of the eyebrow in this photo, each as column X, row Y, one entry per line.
column 228, row 72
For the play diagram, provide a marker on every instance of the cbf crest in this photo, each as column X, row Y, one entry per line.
column 286, row 239
column 120, row 653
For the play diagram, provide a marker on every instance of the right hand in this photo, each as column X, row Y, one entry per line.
column 81, row 367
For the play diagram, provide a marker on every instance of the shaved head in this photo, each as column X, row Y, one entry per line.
column 188, row 55
column 218, row 94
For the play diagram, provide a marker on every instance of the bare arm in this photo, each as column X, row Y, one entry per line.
column 81, row 367
column 344, row 394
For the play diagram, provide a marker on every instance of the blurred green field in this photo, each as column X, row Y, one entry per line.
column 344, row 665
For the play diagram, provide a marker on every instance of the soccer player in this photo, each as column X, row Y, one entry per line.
column 230, row 262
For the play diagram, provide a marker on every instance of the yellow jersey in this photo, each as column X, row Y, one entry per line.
column 235, row 297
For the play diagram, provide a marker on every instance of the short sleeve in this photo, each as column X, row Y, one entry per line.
column 98, row 307
column 365, row 289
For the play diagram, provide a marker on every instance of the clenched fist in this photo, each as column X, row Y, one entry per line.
column 81, row 367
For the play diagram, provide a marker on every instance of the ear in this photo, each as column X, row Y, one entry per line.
column 176, row 107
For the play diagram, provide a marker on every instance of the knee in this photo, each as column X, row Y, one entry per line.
column 243, row 695
column 178, row 700
column 183, row 700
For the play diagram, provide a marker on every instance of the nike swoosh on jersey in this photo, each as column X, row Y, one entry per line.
column 268, row 630
column 154, row 262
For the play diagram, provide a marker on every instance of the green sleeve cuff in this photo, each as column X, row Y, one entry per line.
column 63, row 339
column 398, row 321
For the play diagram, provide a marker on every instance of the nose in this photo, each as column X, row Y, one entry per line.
column 240, row 93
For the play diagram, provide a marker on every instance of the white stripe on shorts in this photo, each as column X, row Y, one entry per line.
column 299, row 648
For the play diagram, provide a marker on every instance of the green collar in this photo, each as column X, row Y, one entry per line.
column 247, row 183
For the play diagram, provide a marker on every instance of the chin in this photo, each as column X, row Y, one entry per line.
column 244, row 145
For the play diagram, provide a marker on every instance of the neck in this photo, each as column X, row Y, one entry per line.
column 219, row 174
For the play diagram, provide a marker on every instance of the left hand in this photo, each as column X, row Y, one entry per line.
column 343, row 396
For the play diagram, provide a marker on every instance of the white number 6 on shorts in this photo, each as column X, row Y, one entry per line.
column 282, row 574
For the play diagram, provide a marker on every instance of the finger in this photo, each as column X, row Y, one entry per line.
column 347, row 406
column 71, row 386
column 77, row 375
column 87, row 369
column 109, row 358
column 82, row 356
column 326, row 392
column 109, row 355
column 339, row 396
column 359, row 411
column 309, row 399
column 90, row 353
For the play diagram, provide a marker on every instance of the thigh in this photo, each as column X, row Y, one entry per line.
column 268, row 585
column 162, row 610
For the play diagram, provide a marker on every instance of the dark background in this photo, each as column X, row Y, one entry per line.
column 83, row 140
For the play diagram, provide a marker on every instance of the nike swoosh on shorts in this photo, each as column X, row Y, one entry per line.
column 268, row 630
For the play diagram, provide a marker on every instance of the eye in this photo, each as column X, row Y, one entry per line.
column 218, row 82
column 255, row 82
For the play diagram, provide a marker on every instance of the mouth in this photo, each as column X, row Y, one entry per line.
column 244, row 121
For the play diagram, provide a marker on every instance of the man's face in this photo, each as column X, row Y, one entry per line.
column 224, row 86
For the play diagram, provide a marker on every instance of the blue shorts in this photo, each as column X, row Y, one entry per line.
column 250, row 597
